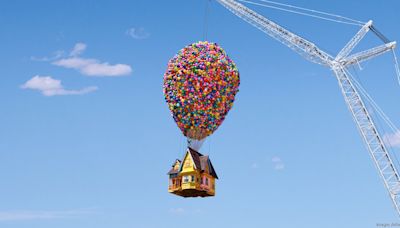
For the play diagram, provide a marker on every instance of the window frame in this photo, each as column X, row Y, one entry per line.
column 186, row 179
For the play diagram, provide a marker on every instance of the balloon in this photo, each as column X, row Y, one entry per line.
column 200, row 85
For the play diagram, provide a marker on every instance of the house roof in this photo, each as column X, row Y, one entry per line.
column 196, row 157
column 174, row 171
column 201, row 162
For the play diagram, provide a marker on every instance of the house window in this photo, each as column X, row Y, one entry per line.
column 185, row 179
column 192, row 178
column 201, row 181
column 206, row 181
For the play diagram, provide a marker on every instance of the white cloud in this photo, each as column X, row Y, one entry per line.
column 276, row 159
column 255, row 165
column 177, row 211
column 52, row 87
column 78, row 49
column 92, row 67
column 392, row 139
column 138, row 33
column 56, row 55
column 35, row 215
column 86, row 66
column 279, row 166
column 278, row 163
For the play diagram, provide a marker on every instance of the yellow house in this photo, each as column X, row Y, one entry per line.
column 193, row 176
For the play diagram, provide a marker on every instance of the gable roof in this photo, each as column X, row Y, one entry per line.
column 202, row 161
column 196, row 157
column 174, row 171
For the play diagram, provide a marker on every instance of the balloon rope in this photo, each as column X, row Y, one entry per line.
column 206, row 20
column 209, row 146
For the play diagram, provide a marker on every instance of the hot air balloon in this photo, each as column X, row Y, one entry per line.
column 200, row 85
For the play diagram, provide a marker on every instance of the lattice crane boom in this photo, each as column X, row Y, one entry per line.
column 300, row 45
column 370, row 134
column 362, row 118
column 368, row 54
column 354, row 41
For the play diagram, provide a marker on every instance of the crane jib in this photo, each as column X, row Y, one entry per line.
column 302, row 46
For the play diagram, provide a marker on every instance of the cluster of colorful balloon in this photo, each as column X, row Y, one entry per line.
column 200, row 85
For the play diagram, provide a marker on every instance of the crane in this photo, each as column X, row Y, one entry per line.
column 339, row 65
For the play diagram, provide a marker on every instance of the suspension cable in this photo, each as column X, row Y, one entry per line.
column 379, row 34
column 396, row 65
column 314, row 11
column 304, row 13
column 381, row 113
column 373, row 103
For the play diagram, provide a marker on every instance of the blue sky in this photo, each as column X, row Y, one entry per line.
column 86, row 138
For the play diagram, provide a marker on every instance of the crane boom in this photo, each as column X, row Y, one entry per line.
column 359, row 111
column 354, row 41
column 370, row 134
column 300, row 45
column 368, row 54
